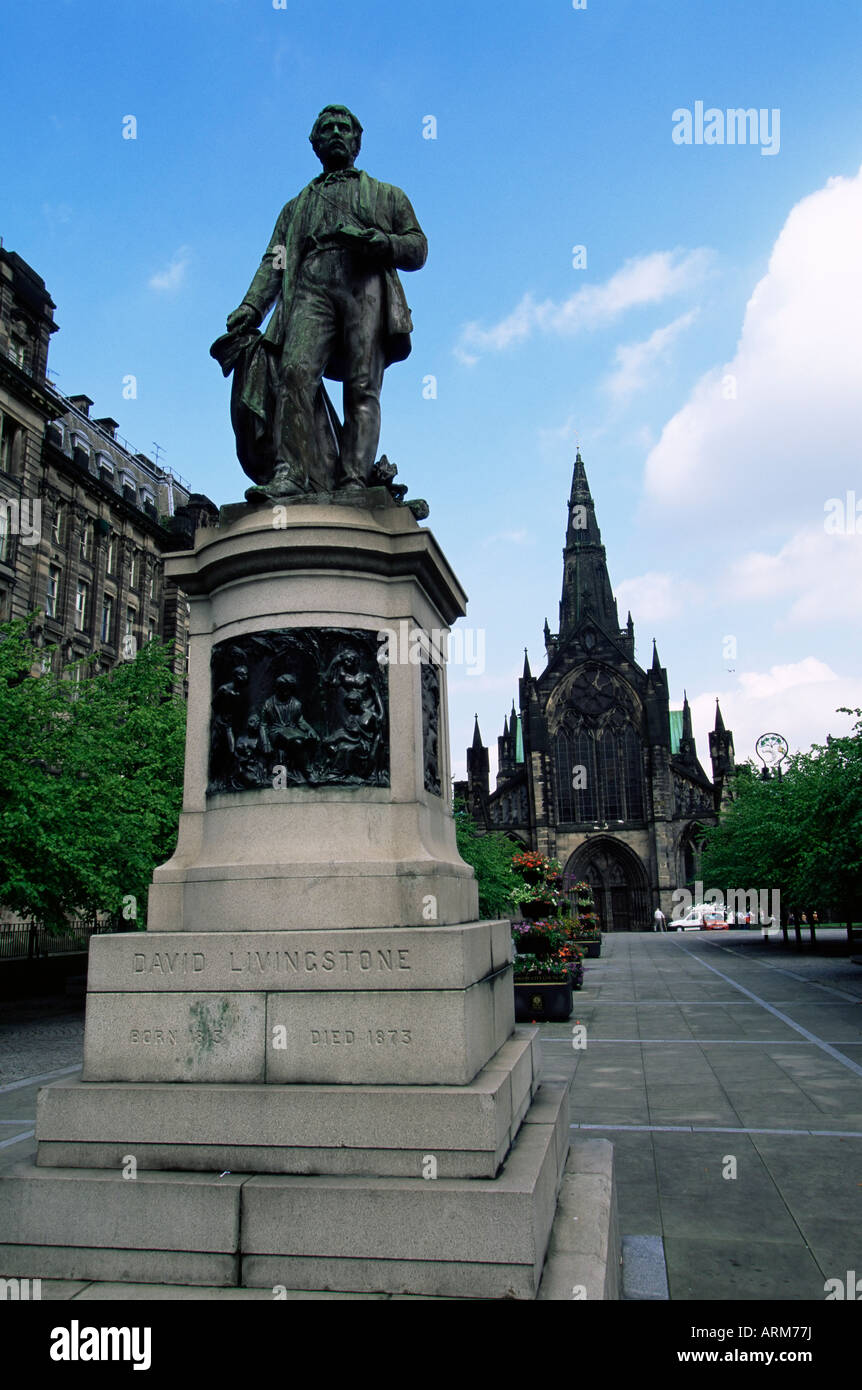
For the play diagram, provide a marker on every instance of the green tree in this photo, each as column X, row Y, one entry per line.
column 801, row 833
column 490, row 855
column 90, row 781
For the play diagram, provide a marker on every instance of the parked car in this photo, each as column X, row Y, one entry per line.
column 703, row 916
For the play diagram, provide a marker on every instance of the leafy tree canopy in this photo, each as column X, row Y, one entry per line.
column 491, row 858
column 801, row 833
column 90, row 780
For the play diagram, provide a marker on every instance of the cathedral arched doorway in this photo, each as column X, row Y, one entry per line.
column 619, row 883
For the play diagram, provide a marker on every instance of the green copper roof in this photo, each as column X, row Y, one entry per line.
column 675, row 721
column 519, row 741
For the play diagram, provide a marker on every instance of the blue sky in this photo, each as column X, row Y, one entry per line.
column 706, row 358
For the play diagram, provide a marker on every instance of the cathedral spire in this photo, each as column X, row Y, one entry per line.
column 719, row 722
column 686, row 716
column 477, row 737
column 528, row 675
column 586, row 585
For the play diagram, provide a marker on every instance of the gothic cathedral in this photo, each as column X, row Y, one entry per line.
column 594, row 768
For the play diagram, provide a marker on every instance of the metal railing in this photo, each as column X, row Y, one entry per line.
column 34, row 941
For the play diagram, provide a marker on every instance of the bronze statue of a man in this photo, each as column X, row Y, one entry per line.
column 330, row 269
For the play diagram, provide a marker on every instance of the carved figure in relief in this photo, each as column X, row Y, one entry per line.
column 346, row 676
column 250, row 763
column 228, row 703
column 352, row 748
column 285, row 735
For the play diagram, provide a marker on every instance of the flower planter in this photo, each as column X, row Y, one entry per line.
column 592, row 948
column 531, row 875
column 533, row 911
column 543, row 1003
column 534, row 943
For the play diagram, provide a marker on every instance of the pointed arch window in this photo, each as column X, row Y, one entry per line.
column 610, row 783
column 598, row 776
column 563, row 777
column 633, row 774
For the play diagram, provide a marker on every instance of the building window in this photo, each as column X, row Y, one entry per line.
column 153, row 584
column 57, row 528
column 52, row 601
column 133, row 570
column 10, row 439
column 107, row 618
column 599, row 777
column 87, row 541
column 607, row 757
column 82, row 605
column 111, row 562
column 5, row 531
column 131, row 620
column 584, row 777
column 634, row 781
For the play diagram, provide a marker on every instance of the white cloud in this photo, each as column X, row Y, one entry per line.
column 776, row 431
column 640, row 281
column 799, row 700
column 172, row 277
column 815, row 578
column 654, row 597
column 634, row 361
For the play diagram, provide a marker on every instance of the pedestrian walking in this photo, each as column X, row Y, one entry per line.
column 659, row 920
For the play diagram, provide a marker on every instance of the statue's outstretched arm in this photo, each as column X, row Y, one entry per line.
column 264, row 288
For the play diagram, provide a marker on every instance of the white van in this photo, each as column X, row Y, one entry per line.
column 708, row 915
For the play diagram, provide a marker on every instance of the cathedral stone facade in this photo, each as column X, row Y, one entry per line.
column 594, row 768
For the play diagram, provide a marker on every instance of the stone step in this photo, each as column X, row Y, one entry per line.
column 378, row 1130
column 474, row 1238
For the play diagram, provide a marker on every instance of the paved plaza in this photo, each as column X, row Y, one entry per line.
column 706, row 1055
column 709, row 1047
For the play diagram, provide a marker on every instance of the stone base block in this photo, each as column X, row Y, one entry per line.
column 390, row 1235
column 415, row 1037
column 401, row 1005
column 232, row 961
column 584, row 1252
column 447, row 1237
column 362, row 894
column 81, row 1223
column 370, row 1130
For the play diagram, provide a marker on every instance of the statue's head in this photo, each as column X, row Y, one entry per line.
column 336, row 137
column 285, row 686
column 240, row 675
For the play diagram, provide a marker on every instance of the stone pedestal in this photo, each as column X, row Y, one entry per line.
column 293, row 856
column 305, row 1072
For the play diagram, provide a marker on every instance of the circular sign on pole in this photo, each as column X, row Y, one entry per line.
column 772, row 749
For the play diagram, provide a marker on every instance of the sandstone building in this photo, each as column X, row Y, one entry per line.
column 84, row 521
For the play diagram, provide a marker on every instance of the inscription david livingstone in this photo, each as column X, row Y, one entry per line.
column 342, row 961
